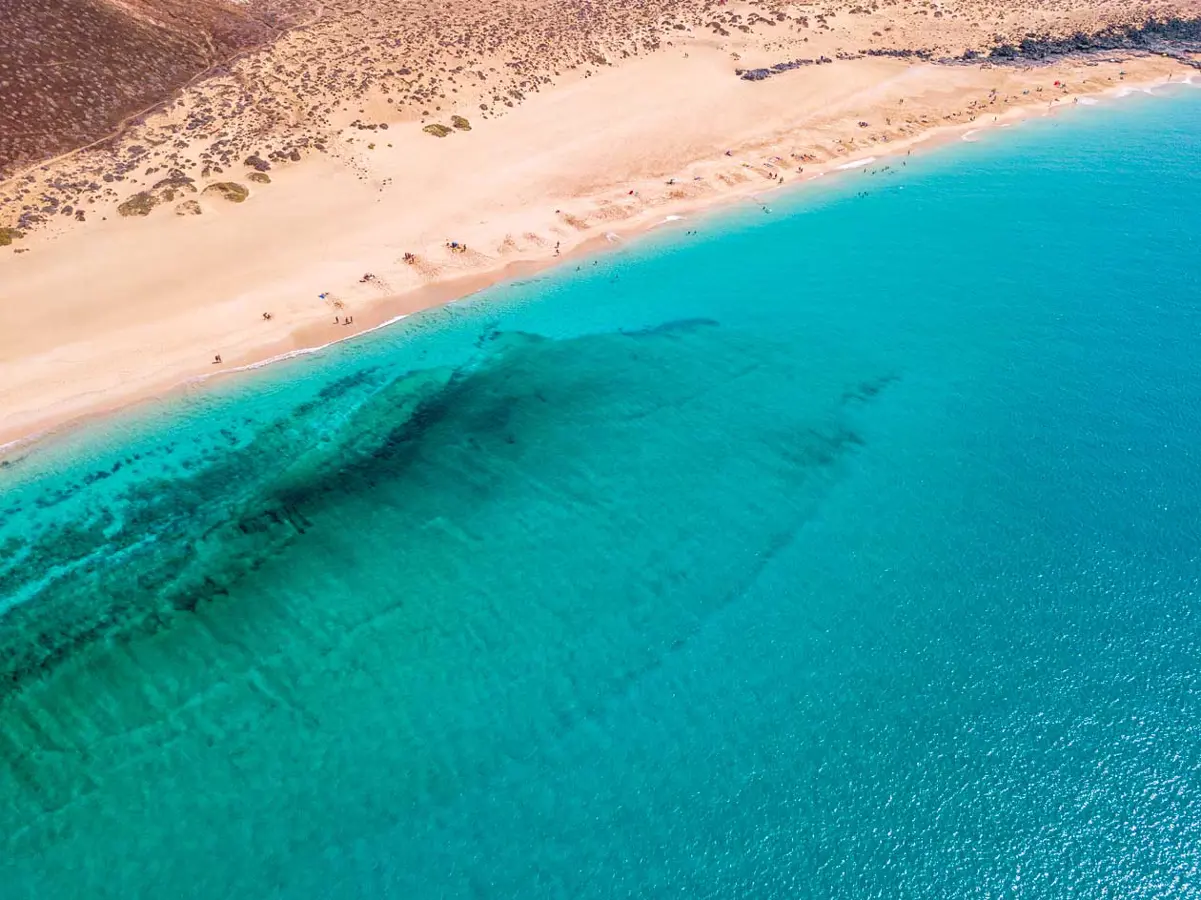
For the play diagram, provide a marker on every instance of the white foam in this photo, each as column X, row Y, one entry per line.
column 293, row 354
column 612, row 237
column 858, row 163
column 673, row 218
column 1087, row 101
column 970, row 136
column 13, row 445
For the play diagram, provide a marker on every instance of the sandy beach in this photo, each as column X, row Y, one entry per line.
column 187, row 257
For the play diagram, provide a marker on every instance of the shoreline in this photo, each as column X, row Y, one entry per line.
column 309, row 338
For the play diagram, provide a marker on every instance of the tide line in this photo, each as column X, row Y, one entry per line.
column 293, row 354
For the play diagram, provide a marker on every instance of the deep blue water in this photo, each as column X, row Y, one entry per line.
column 849, row 550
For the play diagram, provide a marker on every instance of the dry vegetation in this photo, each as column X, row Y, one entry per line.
column 70, row 70
column 342, row 66
column 228, row 190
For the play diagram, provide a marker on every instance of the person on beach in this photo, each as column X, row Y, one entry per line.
column 217, row 359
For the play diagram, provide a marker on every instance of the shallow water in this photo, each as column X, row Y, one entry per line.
column 846, row 550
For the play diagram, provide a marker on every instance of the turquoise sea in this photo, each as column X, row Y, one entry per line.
column 846, row 550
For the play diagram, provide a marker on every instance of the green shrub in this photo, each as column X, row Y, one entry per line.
column 140, row 204
column 230, row 190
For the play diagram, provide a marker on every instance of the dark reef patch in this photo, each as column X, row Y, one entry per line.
column 165, row 541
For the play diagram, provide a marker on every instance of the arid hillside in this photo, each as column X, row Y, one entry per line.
column 71, row 70
column 270, row 82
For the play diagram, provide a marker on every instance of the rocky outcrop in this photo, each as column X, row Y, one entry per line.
column 1168, row 37
column 778, row 68
column 1154, row 36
